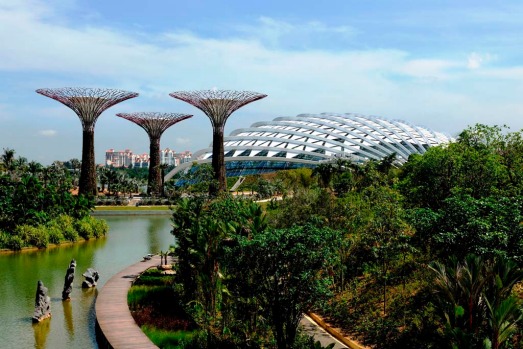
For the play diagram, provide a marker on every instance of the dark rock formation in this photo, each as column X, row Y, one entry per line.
column 42, row 303
column 68, row 282
column 91, row 278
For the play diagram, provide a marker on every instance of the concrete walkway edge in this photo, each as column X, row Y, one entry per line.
column 333, row 332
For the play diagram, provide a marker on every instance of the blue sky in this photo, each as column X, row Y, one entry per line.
column 439, row 64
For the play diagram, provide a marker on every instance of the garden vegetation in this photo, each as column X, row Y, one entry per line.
column 428, row 255
column 37, row 207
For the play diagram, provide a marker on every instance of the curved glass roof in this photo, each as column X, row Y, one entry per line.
column 307, row 139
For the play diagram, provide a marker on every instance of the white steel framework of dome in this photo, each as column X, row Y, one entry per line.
column 308, row 139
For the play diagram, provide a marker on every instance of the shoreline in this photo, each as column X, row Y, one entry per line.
column 50, row 246
column 130, row 211
column 101, row 213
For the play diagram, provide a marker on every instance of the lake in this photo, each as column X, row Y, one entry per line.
column 72, row 324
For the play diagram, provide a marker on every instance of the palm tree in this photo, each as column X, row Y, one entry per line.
column 163, row 167
column 386, row 163
column 102, row 177
column 34, row 168
column 8, row 158
column 324, row 171
column 20, row 164
column 112, row 180
column 474, row 297
column 75, row 167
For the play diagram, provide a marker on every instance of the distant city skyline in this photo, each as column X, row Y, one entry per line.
column 443, row 65
column 127, row 157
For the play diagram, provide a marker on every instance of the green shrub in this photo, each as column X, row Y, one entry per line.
column 90, row 227
column 15, row 243
column 70, row 235
column 65, row 224
column 4, row 239
column 34, row 236
column 84, row 228
column 55, row 234
column 100, row 227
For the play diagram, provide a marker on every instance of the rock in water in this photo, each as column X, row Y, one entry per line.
column 91, row 278
column 68, row 282
column 42, row 303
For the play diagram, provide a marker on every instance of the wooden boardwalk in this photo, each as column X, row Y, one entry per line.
column 116, row 327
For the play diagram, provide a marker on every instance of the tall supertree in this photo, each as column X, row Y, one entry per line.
column 218, row 105
column 155, row 125
column 88, row 104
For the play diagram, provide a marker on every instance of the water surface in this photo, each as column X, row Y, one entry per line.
column 72, row 322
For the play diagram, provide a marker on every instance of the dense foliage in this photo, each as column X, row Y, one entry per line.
column 245, row 284
column 37, row 206
column 428, row 255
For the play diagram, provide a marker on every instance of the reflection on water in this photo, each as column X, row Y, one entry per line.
column 41, row 331
column 153, row 237
column 72, row 322
column 68, row 316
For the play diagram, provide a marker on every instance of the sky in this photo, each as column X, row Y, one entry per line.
column 443, row 64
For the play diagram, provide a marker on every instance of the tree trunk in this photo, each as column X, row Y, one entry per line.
column 218, row 162
column 155, row 179
column 87, row 185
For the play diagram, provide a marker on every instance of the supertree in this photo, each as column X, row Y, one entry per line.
column 218, row 105
column 155, row 125
column 88, row 104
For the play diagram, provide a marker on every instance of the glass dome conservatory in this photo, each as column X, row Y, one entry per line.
column 307, row 139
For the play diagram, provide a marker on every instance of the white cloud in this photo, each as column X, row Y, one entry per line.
column 47, row 133
column 476, row 60
column 277, row 33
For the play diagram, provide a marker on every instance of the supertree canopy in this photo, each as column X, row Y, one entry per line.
column 155, row 125
column 88, row 104
column 218, row 105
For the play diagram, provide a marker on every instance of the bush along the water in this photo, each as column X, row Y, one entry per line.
column 62, row 229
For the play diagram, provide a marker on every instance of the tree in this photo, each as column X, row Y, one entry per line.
column 8, row 158
column 474, row 299
column 324, row 171
column 489, row 226
column 34, row 168
column 483, row 162
column 75, row 166
column 385, row 230
column 285, row 266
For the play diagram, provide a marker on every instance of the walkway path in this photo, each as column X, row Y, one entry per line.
column 319, row 333
column 118, row 329
column 115, row 323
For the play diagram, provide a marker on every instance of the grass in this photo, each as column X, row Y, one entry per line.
column 158, row 311
column 132, row 208
column 167, row 339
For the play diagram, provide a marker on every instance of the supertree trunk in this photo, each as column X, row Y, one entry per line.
column 218, row 105
column 155, row 125
column 155, row 176
column 87, row 185
column 218, row 162
column 88, row 104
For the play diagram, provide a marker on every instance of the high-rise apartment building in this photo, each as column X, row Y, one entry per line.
column 126, row 158
column 118, row 158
